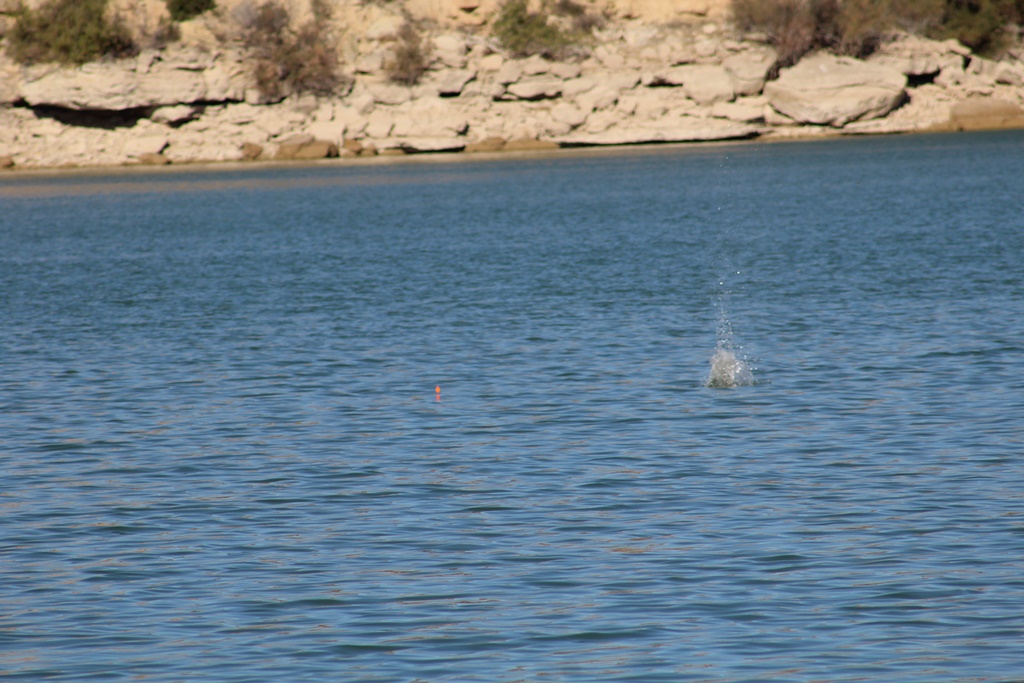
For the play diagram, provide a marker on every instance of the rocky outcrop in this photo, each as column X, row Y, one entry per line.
column 641, row 83
column 827, row 90
column 174, row 77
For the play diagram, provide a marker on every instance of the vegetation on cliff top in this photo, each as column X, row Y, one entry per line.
column 555, row 31
column 287, row 60
column 857, row 27
column 68, row 32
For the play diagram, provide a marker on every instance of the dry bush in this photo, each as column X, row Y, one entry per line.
column 286, row 60
column 408, row 59
column 857, row 27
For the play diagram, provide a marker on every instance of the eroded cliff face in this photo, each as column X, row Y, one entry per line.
column 685, row 77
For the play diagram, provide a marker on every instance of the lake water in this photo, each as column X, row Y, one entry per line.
column 223, row 457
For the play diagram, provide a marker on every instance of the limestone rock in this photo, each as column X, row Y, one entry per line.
column 749, row 69
column 675, row 129
column 421, row 145
column 826, row 90
column 488, row 144
column 151, row 159
column 177, row 114
column 251, row 151
column 916, row 56
column 6, row 161
column 114, row 86
column 704, row 83
column 536, row 88
column 747, row 110
column 451, row 82
column 986, row 114
column 305, row 148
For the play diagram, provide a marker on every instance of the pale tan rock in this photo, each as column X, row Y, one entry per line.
column 916, row 56
column 388, row 93
column 564, row 70
column 10, row 80
column 492, row 62
column 681, row 129
column 601, row 97
column 529, row 145
column 826, row 90
column 745, row 110
column 703, row 83
column 1010, row 73
column 6, row 161
column 451, row 82
column 450, row 49
column 306, row 148
column 509, row 72
column 330, row 131
column 749, row 69
column 420, row 145
column 489, row 144
column 148, row 142
column 986, row 114
column 179, row 113
column 114, row 86
column 536, row 88
column 251, row 151
column 569, row 114
column 152, row 159
column 379, row 127
column 577, row 86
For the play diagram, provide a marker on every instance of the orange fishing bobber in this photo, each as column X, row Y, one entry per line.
column 437, row 390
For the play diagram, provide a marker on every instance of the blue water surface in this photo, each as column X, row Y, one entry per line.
column 222, row 457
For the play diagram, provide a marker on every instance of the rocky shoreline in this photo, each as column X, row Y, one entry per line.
column 641, row 83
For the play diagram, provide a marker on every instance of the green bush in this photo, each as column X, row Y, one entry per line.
column 286, row 60
column 182, row 10
column 68, row 32
column 525, row 33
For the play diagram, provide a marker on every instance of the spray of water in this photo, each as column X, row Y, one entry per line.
column 727, row 369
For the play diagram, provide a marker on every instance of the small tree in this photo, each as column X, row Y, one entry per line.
column 68, row 32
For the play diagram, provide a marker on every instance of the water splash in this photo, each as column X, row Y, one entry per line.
column 727, row 369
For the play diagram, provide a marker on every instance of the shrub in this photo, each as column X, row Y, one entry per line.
column 286, row 60
column 856, row 27
column 525, row 33
column 979, row 24
column 408, row 60
column 68, row 32
column 182, row 10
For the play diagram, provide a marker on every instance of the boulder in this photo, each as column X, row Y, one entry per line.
column 251, row 151
column 317, row 149
column 175, row 115
column 703, row 83
column 749, row 69
column 451, row 81
column 827, row 90
column 6, row 161
column 916, row 56
column 536, row 88
column 986, row 114
column 152, row 159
